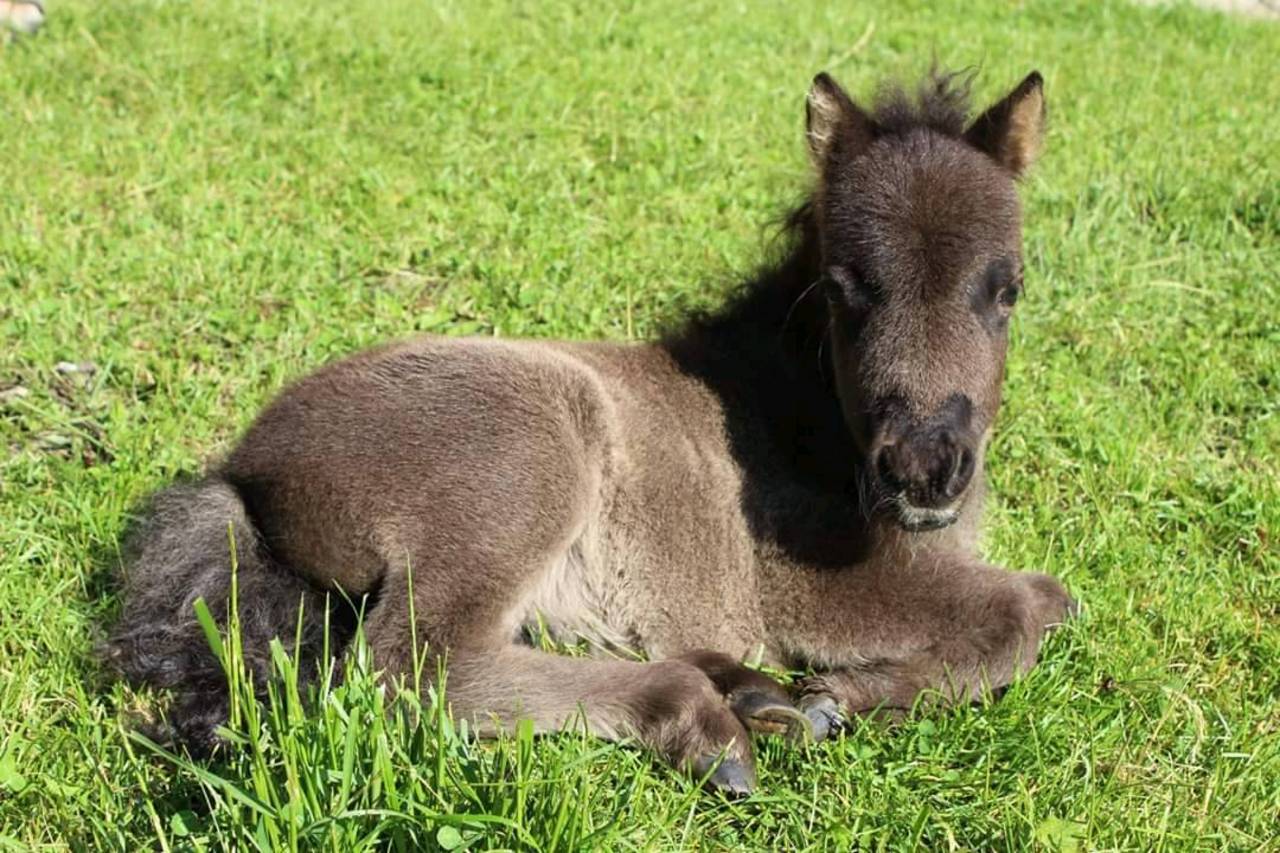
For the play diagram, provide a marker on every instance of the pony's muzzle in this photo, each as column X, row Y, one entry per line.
column 924, row 468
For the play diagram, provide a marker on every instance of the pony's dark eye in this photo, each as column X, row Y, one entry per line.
column 846, row 286
column 841, row 278
column 999, row 287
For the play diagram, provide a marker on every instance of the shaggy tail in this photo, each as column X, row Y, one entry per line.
column 181, row 552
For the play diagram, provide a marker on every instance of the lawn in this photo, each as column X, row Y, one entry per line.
column 200, row 201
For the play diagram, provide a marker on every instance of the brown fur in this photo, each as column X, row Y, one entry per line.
column 759, row 481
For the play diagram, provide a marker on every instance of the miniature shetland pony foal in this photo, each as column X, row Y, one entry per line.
column 799, row 473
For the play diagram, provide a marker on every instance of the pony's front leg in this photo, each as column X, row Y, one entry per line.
column 881, row 635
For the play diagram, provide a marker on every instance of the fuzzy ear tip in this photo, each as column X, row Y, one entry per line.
column 1035, row 80
column 823, row 80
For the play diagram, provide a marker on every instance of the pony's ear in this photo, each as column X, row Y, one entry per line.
column 1012, row 130
column 834, row 124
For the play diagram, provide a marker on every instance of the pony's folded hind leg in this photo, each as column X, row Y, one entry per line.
column 668, row 706
column 469, row 548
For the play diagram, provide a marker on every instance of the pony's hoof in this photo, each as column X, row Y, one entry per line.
column 824, row 716
column 730, row 776
column 765, row 714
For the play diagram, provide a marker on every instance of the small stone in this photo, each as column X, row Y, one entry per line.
column 53, row 441
column 17, row 392
column 23, row 16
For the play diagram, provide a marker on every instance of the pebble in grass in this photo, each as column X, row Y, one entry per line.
column 13, row 395
column 22, row 16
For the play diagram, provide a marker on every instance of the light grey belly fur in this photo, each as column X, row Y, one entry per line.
column 573, row 601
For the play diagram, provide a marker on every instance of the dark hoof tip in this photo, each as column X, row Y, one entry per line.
column 729, row 776
column 766, row 714
column 824, row 717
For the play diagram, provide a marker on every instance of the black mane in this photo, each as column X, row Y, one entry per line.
column 940, row 104
column 763, row 353
column 780, row 291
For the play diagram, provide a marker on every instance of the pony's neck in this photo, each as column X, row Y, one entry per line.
column 766, row 355
column 765, row 350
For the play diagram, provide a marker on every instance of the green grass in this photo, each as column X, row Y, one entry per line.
column 207, row 199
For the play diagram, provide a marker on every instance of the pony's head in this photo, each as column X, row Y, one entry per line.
column 920, row 232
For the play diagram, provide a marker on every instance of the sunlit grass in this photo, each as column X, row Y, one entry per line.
column 200, row 201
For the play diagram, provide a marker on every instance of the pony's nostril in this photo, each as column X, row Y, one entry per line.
column 884, row 467
column 961, row 472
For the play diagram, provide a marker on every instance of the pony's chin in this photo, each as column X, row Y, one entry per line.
column 919, row 519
